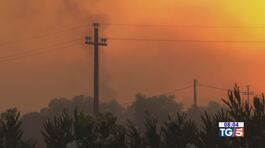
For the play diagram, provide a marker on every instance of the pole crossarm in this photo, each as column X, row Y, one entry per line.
column 88, row 41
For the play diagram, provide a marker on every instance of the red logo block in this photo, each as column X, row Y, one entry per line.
column 239, row 132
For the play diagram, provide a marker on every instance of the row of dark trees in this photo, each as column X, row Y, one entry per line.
column 82, row 130
column 158, row 106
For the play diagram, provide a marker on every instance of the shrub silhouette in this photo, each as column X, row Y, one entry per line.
column 152, row 133
column 1, row 134
column 118, row 137
column 29, row 144
column 58, row 131
column 105, row 125
column 177, row 131
column 84, row 130
column 11, row 128
column 135, row 138
column 257, row 129
column 11, row 133
column 208, row 136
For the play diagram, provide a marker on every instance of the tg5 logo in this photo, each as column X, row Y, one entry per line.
column 231, row 132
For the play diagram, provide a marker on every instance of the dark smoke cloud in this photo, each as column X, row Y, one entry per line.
column 29, row 83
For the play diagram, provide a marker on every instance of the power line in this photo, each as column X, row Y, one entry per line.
column 187, row 87
column 33, row 54
column 43, row 35
column 143, row 39
column 34, row 50
column 40, row 52
column 87, row 25
column 175, row 90
column 182, row 26
column 213, row 87
column 226, row 89
column 180, row 40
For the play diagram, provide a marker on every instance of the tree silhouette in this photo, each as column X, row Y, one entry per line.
column 84, row 130
column 158, row 106
column 10, row 131
column 152, row 133
column 208, row 136
column 29, row 144
column 1, row 133
column 135, row 139
column 58, row 131
column 118, row 137
column 105, row 126
column 11, row 128
column 239, row 110
column 257, row 130
column 253, row 117
column 177, row 131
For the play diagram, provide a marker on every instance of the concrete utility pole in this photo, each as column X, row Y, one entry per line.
column 195, row 92
column 248, row 93
column 96, row 44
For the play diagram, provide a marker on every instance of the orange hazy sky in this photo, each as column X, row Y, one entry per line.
column 128, row 67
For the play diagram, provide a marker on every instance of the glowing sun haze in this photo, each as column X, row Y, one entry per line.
column 129, row 67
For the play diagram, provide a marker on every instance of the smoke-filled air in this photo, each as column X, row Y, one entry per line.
column 163, row 65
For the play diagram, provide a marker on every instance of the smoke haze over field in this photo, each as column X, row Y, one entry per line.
column 31, row 81
column 128, row 67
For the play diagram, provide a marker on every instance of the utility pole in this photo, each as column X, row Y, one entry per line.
column 248, row 93
column 96, row 43
column 195, row 92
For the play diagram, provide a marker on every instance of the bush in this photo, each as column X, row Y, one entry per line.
column 11, row 133
column 58, row 131
column 177, row 131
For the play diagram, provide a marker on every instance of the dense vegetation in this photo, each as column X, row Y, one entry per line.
column 11, row 133
column 78, row 129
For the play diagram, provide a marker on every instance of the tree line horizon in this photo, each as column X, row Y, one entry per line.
column 149, row 122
